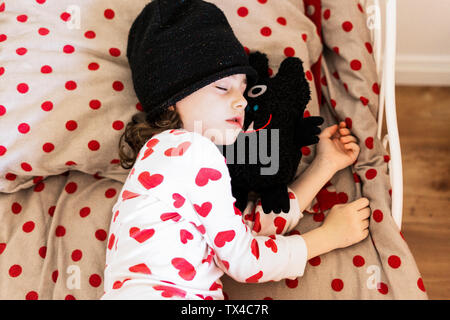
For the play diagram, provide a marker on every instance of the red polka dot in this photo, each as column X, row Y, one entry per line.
column 117, row 85
column 46, row 69
column 15, row 270
column 337, row 284
column 364, row 100
column 369, row 47
column 69, row 297
column 358, row 261
column 394, row 261
column 43, row 252
column 376, row 88
column 11, row 176
column 348, row 122
column 93, row 66
column 371, row 173
column 77, row 255
column 304, row 37
column 2, row 150
column 71, row 125
column 266, row 31
column 23, row 128
column 28, row 226
column 94, row 145
column 3, row 37
column 347, row 26
column 377, row 215
column 318, row 217
column 282, row 21
column 39, row 187
column 118, row 125
column 48, row 147
column 71, row 187
column 109, row 14
column 2, row 110
column 309, row 75
column 95, row 280
column 100, row 234
column 43, row 31
column 369, row 142
column 355, row 65
column 60, row 231
column 32, row 295
column 114, row 52
column 2, row 7
column 84, row 212
column 110, row 193
column 382, row 288
column 315, row 261
column 420, row 284
column 306, row 151
column 40, row 1
column 21, row 51
column 51, row 211
column 336, row 50
column 291, row 283
column 326, row 14
column 16, row 208
column 71, row 85
column 26, row 166
column 47, row 106
column 22, row 18
column 242, row 12
column 95, row 104
column 65, row 16
column 68, row 48
column 22, row 88
column 55, row 276
column 89, row 34
column 289, row 52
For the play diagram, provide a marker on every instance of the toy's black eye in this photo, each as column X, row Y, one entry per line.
column 256, row 91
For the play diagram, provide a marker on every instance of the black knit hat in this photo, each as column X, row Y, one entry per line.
column 176, row 47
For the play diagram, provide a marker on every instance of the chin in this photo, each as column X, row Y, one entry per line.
column 225, row 137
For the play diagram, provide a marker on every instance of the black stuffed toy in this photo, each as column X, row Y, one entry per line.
column 273, row 103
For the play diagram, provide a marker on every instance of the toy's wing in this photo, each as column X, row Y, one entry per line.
column 307, row 130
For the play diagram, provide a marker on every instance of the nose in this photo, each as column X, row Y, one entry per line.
column 240, row 102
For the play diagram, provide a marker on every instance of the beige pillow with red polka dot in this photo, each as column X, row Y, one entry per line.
column 65, row 84
column 65, row 88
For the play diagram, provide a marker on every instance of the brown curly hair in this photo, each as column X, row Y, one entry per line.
column 140, row 129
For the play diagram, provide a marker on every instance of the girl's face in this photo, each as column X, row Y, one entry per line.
column 207, row 110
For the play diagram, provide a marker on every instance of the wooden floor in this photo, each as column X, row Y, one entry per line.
column 424, row 127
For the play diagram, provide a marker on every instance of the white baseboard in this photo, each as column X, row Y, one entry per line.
column 422, row 70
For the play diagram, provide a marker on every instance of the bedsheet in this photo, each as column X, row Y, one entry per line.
column 54, row 219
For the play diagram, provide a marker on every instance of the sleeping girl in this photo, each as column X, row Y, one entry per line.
column 175, row 229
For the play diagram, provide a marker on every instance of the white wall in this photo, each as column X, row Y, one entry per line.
column 423, row 42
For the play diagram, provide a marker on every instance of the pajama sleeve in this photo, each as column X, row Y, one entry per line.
column 243, row 255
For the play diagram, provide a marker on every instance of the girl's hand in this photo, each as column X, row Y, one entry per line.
column 337, row 148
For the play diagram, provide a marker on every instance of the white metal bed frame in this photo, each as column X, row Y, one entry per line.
column 386, row 77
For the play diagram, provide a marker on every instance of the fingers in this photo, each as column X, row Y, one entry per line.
column 360, row 203
column 328, row 132
column 364, row 213
column 348, row 138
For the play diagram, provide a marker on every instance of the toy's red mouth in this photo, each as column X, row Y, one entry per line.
column 268, row 122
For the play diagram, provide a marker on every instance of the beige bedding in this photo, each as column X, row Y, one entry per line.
column 59, row 177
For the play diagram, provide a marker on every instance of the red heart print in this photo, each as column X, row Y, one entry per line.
column 118, row 284
column 272, row 245
column 254, row 278
column 150, row 144
column 206, row 174
column 185, row 236
column 2, row 247
column 140, row 268
column 215, row 286
column 279, row 222
column 257, row 224
column 209, row 257
column 226, row 264
column 179, row 200
column 187, row 270
column 115, row 215
column 176, row 132
column 141, row 235
column 255, row 248
column 170, row 215
column 204, row 209
column 224, row 237
column 169, row 292
column 112, row 237
column 200, row 228
column 178, row 151
column 126, row 194
column 149, row 181
column 236, row 210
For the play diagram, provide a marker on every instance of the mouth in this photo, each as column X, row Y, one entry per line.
column 268, row 122
column 237, row 121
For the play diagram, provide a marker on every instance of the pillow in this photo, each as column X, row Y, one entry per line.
column 65, row 85
column 65, row 88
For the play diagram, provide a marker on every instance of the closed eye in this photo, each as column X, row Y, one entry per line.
column 224, row 89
